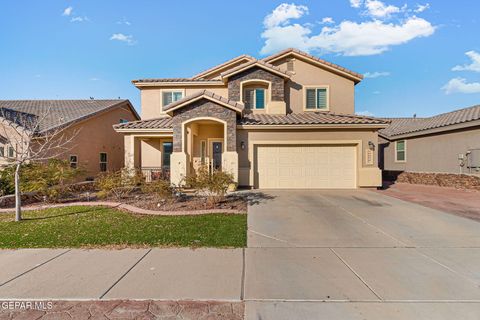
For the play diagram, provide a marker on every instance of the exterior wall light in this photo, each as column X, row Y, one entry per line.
column 242, row 145
column 371, row 145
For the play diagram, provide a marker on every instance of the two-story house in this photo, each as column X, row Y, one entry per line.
column 285, row 121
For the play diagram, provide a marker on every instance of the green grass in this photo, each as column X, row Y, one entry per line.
column 106, row 227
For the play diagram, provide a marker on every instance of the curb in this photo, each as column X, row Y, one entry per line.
column 126, row 207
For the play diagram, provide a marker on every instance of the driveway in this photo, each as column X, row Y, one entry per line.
column 357, row 254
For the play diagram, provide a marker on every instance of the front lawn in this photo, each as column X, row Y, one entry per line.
column 99, row 227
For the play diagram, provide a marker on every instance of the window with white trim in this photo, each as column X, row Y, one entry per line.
column 103, row 162
column 11, row 152
column 255, row 98
column 73, row 161
column 316, row 98
column 171, row 96
column 400, row 151
column 2, row 151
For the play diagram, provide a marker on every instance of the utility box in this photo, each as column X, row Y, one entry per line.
column 474, row 158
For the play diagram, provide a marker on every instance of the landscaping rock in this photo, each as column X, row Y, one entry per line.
column 459, row 181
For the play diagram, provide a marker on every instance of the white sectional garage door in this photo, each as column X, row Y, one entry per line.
column 305, row 167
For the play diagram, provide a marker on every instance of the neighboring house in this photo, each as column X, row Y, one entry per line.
column 95, row 146
column 446, row 143
column 285, row 121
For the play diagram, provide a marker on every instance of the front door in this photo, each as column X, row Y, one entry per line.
column 217, row 155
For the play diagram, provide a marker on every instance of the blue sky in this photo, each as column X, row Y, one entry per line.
column 414, row 51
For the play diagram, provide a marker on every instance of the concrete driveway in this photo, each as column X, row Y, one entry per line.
column 356, row 254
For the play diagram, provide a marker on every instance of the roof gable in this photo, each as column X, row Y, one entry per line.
column 204, row 94
column 228, row 64
column 256, row 63
column 344, row 72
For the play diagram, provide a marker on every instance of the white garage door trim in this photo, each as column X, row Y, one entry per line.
column 254, row 145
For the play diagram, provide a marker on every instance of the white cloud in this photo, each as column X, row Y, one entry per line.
column 327, row 20
column 123, row 38
column 460, row 85
column 356, row 3
column 283, row 13
column 376, row 74
column 422, row 7
column 68, row 11
column 125, row 22
column 365, row 113
column 94, row 79
column 378, row 9
column 79, row 19
column 474, row 66
column 348, row 38
column 376, row 92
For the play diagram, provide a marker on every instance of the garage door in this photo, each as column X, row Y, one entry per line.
column 303, row 167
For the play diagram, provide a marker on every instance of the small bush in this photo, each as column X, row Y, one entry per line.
column 118, row 184
column 214, row 185
column 161, row 188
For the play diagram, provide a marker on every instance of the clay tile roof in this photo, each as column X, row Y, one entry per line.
column 207, row 93
column 307, row 118
column 400, row 126
column 157, row 123
column 252, row 63
column 59, row 112
column 172, row 80
column 219, row 66
column 309, row 56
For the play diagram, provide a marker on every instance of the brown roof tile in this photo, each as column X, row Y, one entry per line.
column 207, row 93
column 400, row 126
column 255, row 62
column 302, row 53
column 172, row 80
column 60, row 112
column 219, row 66
column 307, row 118
column 157, row 123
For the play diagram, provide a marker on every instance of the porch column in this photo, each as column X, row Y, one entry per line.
column 129, row 145
column 178, row 168
column 230, row 163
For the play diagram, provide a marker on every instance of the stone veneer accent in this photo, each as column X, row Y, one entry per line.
column 204, row 108
column 459, row 181
column 278, row 83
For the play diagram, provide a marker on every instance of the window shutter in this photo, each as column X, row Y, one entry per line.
column 322, row 98
column 167, row 98
column 259, row 98
column 310, row 99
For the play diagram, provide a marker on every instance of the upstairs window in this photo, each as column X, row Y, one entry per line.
column 316, row 99
column 2, row 152
column 73, row 161
column 103, row 162
column 123, row 121
column 11, row 152
column 171, row 96
column 255, row 98
column 400, row 151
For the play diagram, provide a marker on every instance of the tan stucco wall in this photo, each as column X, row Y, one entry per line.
column 433, row 153
column 249, row 137
column 342, row 90
column 151, row 98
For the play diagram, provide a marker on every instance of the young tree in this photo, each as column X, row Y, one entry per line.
column 31, row 138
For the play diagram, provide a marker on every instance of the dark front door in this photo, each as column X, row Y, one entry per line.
column 217, row 155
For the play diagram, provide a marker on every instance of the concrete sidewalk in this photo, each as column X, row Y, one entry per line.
column 163, row 274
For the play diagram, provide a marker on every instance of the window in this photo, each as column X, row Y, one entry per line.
column 2, row 151
column 401, row 151
column 73, row 161
column 11, row 152
column 316, row 99
column 171, row 96
column 103, row 161
column 123, row 121
column 254, row 98
column 203, row 151
column 167, row 152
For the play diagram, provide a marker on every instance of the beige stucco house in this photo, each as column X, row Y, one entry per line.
column 446, row 143
column 285, row 121
column 94, row 145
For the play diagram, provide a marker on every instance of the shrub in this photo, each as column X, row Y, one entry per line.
column 50, row 179
column 160, row 187
column 118, row 183
column 214, row 185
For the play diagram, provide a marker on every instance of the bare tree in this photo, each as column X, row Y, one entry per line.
column 32, row 138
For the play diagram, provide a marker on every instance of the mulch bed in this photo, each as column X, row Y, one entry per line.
column 185, row 203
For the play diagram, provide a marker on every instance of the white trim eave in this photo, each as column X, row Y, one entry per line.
column 311, row 126
column 204, row 96
column 159, row 131
column 180, row 84
column 318, row 63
